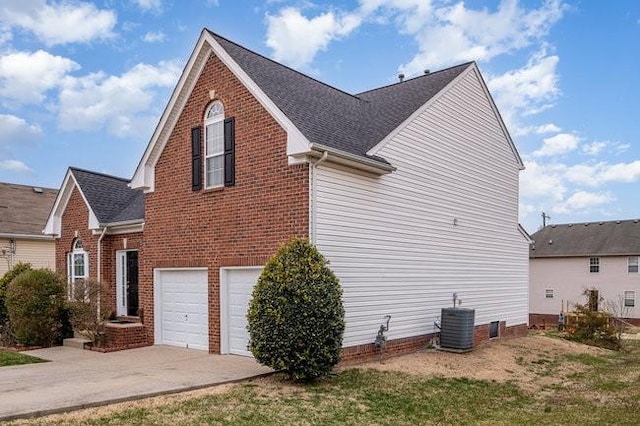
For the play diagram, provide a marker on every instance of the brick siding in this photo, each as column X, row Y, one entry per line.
column 232, row 226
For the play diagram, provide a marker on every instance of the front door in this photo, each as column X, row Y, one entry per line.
column 127, row 283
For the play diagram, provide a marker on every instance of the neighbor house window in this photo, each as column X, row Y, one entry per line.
column 77, row 270
column 629, row 299
column 594, row 264
column 214, row 145
column 548, row 293
column 632, row 265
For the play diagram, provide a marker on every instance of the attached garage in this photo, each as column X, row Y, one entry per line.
column 181, row 300
column 235, row 293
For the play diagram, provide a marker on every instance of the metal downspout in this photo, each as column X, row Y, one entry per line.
column 99, row 267
column 312, row 198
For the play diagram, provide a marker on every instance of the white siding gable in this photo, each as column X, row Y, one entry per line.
column 445, row 221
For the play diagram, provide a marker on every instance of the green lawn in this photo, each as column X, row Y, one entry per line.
column 605, row 390
column 16, row 358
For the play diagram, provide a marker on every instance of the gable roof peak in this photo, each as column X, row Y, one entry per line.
column 219, row 37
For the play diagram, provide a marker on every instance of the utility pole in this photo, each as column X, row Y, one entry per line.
column 544, row 219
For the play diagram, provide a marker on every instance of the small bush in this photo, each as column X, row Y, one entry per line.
column 296, row 317
column 35, row 301
column 17, row 269
column 593, row 327
column 85, row 314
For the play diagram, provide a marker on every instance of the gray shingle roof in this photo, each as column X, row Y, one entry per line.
column 621, row 237
column 328, row 116
column 23, row 210
column 109, row 196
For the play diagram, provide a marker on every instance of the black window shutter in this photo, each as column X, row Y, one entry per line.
column 229, row 152
column 196, row 158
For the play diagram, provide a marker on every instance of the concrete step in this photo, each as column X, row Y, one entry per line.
column 75, row 342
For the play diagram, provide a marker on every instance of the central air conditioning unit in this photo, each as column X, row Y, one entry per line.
column 457, row 326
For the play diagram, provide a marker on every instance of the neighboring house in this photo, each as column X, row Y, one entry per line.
column 410, row 190
column 23, row 213
column 599, row 258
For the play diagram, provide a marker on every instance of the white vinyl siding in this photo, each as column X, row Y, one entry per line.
column 39, row 253
column 445, row 221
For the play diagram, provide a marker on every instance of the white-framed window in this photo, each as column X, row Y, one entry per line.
column 632, row 264
column 629, row 299
column 77, row 270
column 548, row 293
column 594, row 265
column 214, row 145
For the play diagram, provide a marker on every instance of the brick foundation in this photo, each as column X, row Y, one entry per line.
column 543, row 321
column 363, row 353
column 123, row 336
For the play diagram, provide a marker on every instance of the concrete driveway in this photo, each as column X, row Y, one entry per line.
column 78, row 378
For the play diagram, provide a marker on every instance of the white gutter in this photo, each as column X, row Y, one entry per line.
column 27, row 236
column 312, row 196
column 99, row 267
column 122, row 223
column 349, row 158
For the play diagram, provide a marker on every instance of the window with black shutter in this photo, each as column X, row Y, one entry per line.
column 196, row 158
column 229, row 152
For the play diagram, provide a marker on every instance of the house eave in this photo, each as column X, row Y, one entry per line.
column 348, row 159
column 26, row 236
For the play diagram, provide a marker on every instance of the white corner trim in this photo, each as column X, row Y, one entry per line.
column 54, row 221
column 419, row 111
column 144, row 176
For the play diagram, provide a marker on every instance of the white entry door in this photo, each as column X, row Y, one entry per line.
column 235, row 293
column 181, row 300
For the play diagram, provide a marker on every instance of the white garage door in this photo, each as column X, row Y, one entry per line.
column 237, row 287
column 182, row 308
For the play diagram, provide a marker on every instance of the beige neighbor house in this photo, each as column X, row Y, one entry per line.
column 23, row 213
column 600, row 258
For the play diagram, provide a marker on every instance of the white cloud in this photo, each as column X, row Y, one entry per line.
column 25, row 77
column 15, row 130
column 594, row 148
column 125, row 105
column 547, row 128
column 59, row 22
column 542, row 181
column 583, row 200
column 296, row 39
column 457, row 34
column 14, row 166
column 526, row 90
column 562, row 143
column 154, row 37
column 149, row 5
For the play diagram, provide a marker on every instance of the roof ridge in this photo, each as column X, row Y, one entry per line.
column 594, row 222
column 99, row 174
column 285, row 66
column 415, row 78
column 28, row 186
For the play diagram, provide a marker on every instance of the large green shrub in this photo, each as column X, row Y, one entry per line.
column 17, row 269
column 35, row 301
column 296, row 317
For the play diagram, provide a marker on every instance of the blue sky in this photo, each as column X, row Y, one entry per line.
column 84, row 83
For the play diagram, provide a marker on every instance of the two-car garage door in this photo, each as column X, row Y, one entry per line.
column 182, row 302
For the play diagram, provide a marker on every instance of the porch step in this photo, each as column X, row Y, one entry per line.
column 75, row 342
